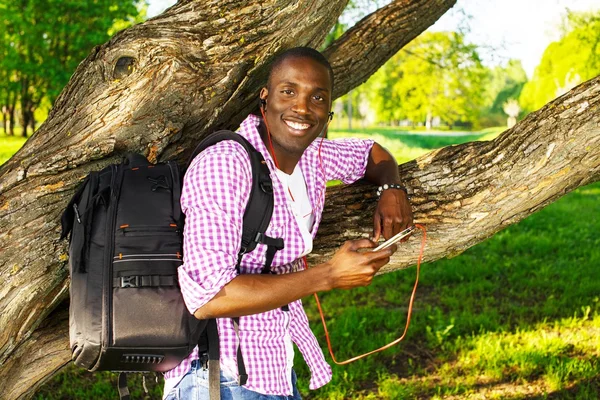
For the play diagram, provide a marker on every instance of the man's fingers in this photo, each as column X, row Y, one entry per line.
column 388, row 227
column 376, row 227
column 354, row 245
column 383, row 253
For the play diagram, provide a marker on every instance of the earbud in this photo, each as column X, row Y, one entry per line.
column 263, row 103
column 330, row 115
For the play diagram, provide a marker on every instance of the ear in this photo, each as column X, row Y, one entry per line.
column 264, row 93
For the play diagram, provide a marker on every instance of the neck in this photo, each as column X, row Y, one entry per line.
column 284, row 161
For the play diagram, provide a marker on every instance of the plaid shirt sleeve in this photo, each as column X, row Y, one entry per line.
column 345, row 159
column 215, row 192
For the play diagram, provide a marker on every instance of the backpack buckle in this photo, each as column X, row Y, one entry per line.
column 266, row 186
column 130, row 281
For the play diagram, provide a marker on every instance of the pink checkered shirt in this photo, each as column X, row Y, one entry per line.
column 215, row 193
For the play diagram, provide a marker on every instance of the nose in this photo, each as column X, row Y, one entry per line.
column 301, row 105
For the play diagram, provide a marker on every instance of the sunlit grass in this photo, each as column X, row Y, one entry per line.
column 9, row 146
column 407, row 145
column 555, row 356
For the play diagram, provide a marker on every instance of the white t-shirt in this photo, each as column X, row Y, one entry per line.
column 297, row 197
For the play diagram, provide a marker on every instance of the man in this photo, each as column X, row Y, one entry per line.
column 296, row 106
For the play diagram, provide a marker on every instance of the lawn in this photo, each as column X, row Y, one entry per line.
column 515, row 317
column 9, row 146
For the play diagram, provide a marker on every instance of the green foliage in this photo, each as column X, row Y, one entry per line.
column 355, row 10
column 571, row 60
column 77, row 383
column 437, row 74
column 337, row 31
column 43, row 41
column 506, row 83
column 407, row 145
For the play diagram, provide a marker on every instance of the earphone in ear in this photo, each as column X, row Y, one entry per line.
column 330, row 115
column 263, row 103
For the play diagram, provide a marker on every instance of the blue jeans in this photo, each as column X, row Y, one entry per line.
column 194, row 386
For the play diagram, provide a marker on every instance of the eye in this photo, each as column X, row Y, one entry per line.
column 289, row 92
column 319, row 98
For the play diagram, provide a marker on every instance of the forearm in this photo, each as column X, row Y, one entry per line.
column 382, row 166
column 393, row 212
column 256, row 293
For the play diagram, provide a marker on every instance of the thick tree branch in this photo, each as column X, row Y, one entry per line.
column 371, row 42
column 466, row 193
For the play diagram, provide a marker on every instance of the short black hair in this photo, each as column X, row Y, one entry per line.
column 300, row 52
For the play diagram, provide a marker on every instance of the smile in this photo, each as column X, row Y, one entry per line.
column 297, row 125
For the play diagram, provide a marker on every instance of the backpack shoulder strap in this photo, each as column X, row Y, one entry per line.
column 260, row 204
column 256, row 220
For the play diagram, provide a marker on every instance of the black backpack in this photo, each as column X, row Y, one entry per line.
column 126, row 311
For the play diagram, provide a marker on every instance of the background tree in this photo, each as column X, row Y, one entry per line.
column 505, row 82
column 159, row 87
column 574, row 58
column 8, row 79
column 436, row 75
column 43, row 42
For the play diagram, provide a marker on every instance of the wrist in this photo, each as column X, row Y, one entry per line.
column 390, row 186
column 326, row 278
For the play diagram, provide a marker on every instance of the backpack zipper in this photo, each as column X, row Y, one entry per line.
column 127, row 230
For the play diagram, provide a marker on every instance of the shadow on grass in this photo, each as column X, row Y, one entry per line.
column 585, row 389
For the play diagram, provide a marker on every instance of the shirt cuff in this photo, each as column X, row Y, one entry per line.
column 322, row 379
column 196, row 295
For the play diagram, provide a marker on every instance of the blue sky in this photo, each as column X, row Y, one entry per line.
column 505, row 29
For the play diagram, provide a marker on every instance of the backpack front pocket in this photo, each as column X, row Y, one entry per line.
column 148, row 240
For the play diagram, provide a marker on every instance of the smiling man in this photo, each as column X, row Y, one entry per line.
column 295, row 110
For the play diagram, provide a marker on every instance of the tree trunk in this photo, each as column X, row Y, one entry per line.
column 31, row 116
column 11, row 105
column 5, row 119
column 198, row 68
column 11, row 118
column 24, row 121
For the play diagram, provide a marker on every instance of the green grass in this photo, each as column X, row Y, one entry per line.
column 515, row 317
column 519, row 310
column 407, row 145
column 9, row 146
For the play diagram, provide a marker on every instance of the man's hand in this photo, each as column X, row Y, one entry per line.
column 393, row 214
column 349, row 267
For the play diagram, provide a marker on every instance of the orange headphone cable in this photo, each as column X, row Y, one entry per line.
column 410, row 306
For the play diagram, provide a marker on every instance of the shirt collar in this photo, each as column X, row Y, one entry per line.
column 249, row 130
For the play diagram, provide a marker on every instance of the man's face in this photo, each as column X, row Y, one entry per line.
column 298, row 102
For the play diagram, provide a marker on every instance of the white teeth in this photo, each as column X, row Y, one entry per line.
column 297, row 125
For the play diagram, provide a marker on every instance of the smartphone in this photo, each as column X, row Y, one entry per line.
column 396, row 238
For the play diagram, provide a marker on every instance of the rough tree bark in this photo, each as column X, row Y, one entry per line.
column 161, row 86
